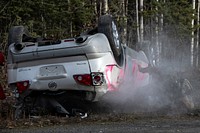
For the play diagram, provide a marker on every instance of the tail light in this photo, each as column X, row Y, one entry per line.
column 22, row 86
column 94, row 78
column 84, row 79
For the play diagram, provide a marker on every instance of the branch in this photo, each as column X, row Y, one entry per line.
column 5, row 6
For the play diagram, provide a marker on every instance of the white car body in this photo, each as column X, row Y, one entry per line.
column 85, row 67
column 56, row 64
column 52, row 67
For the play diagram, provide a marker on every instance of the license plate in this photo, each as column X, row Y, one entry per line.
column 55, row 70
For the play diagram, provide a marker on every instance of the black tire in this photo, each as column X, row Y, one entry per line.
column 17, row 34
column 107, row 26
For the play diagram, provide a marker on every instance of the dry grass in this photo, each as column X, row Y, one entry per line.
column 7, row 120
column 6, row 113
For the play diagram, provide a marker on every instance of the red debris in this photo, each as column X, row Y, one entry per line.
column 2, row 59
column 2, row 94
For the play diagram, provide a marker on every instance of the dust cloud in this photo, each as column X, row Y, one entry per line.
column 162, row 92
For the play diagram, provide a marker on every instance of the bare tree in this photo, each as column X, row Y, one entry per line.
column 157, row 38
column 197, row 43
column 70, row 23
column 141, row 21
column 192, row 39
column 137, row 21
column 98, row 7
column 104, row 7
column 95, row 9
column 44, row 34
column 123, row 19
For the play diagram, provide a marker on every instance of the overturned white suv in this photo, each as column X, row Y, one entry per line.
column 84, row 67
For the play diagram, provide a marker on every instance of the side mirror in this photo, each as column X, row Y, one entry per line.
column 2, row 59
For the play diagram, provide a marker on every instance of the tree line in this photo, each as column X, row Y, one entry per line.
column 164, row 27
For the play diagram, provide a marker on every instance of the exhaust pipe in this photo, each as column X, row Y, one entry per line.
column 19, row 46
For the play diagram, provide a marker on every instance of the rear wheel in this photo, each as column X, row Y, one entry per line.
column 108, row 27
column 18, row 34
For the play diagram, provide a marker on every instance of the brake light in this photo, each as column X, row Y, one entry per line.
column 22, row 86
column 94, row 78
column 84, row 79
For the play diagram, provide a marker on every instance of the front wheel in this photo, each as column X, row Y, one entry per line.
column 187, row 91
column 108, row 27
column 18, row 34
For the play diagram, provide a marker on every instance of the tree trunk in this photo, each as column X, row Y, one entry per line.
column 161, row 31
column 137, row 22
column 157, row 41
column 98, row 7
column 44, row 34
column 197, row 43
column 141, row 21
column 70, row 23
column 123, row 20
column 104, row 7
column 95, row 10
column 192, row 38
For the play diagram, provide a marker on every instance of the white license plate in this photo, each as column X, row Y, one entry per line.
column 55, row 70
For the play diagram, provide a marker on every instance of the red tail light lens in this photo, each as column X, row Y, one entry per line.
column 84, row 79
column 94, row 78
column 22, row 86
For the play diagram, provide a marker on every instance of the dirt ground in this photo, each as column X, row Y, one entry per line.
column 103, row 120
column 106, row 120
column 108, row 123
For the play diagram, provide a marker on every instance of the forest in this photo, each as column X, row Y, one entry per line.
column 168, row 30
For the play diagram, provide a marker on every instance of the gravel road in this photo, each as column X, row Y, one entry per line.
column 112, row 123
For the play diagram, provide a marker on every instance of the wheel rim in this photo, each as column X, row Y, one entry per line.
column 187, row 100
column 186, row 90
column 186, row 87
column 115, row 35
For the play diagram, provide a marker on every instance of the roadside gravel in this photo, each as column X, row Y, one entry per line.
column 112, row 123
